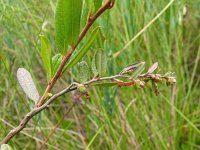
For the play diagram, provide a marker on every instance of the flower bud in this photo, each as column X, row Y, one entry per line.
column 81, row 88
column 140, row 83
column 171, row 80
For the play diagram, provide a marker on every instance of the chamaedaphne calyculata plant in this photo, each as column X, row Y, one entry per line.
column 69, row 17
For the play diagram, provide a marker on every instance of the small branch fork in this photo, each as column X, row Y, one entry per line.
column 116, row 79
column 91, row 19
column 40, row 104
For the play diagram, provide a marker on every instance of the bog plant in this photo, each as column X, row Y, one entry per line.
column 68, row 19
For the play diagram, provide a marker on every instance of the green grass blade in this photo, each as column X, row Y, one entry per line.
column 183, row 116
column 94, row 137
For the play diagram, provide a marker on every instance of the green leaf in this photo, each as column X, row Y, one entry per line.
column 67, row 23
column 56, row 60
column 5, row 147
column 84, row 16
column 45, row 53
column 94, row 69
column 101, row 62
column 138, row 70
column 97, row 4
column 83, row 71
column 79, row 55
column 131, row 68
column 91, row 6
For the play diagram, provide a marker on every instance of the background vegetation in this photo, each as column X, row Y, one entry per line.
column 114, row 118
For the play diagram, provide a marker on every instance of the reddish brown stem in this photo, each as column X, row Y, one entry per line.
column 109, row 4
column 41, row 105
column 122, row 83
column 142, row 78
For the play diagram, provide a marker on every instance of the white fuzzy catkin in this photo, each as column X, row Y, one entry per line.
column 27, row 84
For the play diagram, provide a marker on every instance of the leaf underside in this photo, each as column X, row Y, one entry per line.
column 27, row 84
column 5, row 147
column 101, row 62
column 83, row 72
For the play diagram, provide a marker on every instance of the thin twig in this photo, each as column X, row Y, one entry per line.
column 74, row 86
column 40, row 104
column 30, row 136
column 91, row 20
column 34, row 112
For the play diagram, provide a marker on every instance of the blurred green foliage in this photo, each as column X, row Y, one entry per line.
column 113, row 118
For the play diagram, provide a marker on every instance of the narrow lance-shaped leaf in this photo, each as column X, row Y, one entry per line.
column 67, row 23
column 94, row 69
column 97, row 4
column 153, row 68
column 138, row 71
column 56, row 61
column 27, row 84
column 131, row 68
column 45, row 53
column 84, row 16
column 83, row 71
column 79, row 55
column 101, row 62
column 93, row 5
column 90, row 6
